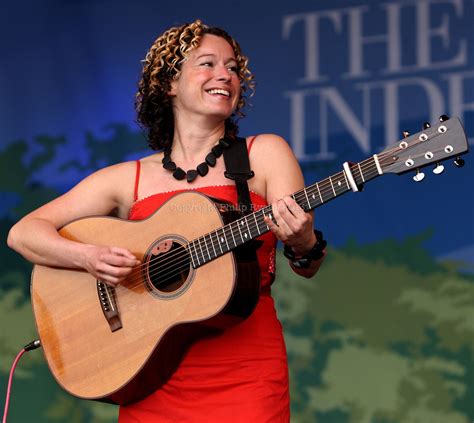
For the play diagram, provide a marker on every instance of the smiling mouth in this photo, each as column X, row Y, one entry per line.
column 218, row 91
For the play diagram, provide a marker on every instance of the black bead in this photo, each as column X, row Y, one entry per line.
column 211, row 159
column 179, row 173
column 166, row 159
column 170, row 166
column 202, row 169
column 224, row 143
column 217, row 150
column 191, row 175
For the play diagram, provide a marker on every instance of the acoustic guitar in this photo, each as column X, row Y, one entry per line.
column 120, row 344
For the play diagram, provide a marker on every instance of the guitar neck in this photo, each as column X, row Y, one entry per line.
column 225, row 239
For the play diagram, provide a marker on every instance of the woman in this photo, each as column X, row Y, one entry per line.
column 193, row 86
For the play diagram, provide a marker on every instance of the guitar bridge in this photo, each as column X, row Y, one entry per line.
column 108, row 304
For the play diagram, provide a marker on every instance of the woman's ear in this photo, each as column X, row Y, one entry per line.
column 173, row 87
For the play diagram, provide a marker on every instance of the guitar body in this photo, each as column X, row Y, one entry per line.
column 119, row 345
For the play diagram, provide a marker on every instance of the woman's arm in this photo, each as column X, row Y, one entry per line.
column 36, row 235
column 291, row 224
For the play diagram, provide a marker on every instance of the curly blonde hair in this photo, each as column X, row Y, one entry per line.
column 163, row 63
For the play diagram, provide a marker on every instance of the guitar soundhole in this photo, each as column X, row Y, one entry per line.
column 168, row 266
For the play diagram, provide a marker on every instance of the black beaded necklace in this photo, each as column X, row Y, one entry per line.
column 201, row 169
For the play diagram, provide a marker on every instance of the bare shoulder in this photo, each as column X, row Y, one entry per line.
column 272, row 157
column 268, row 144
column 114, row 185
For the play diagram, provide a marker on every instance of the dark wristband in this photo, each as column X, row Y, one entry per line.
column 314, row 254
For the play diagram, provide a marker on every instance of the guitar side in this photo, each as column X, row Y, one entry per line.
column 86, row 357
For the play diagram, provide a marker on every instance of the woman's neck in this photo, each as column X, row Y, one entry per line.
column 191, row 143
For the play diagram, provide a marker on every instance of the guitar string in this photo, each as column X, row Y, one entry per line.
column 301, row 193
column 252, row 226
column 325, row 187
column 183, row 252
column 184, row 264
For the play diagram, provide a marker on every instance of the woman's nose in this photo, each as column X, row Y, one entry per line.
column 223, row 73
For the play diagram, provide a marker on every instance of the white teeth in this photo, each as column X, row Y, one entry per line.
column 219, row 91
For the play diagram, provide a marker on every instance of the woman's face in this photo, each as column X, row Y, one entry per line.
column 208, row 84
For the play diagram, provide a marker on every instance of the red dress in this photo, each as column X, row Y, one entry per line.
column 239, row 376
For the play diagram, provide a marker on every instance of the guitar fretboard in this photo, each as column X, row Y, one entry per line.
column 225, row 239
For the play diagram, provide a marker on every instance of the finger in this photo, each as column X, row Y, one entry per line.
column 123, row 252
column 114, row 271
column 271, row 222
column 284, row 217
column 293, row 207
column 296, row 218
column 119, row 260
column 284, row 230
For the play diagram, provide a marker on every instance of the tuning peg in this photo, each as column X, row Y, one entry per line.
column 419, row 176
column 405, row 134
column 438, row 169
column 459, row 162
column 442, row 118
column 426, row 125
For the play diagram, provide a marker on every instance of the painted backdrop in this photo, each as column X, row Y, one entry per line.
column 385, row 331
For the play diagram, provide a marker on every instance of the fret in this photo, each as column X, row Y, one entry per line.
column 223, row 238
column 256, row 223
column 218, row 243
column 249, row 232
column 212, row 244
column 240, row 232
column 307, row 199
column 319, row 192
column 332, row 186
column 340, row 187
column 197, row 255
column 269, row 215
column 202, row 251
column 347, row 182
column 360, row 171
column 188, row 248
column 205, row 249
column 232, row 233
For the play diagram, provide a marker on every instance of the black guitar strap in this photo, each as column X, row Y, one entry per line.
column 237, row 166
column 236, row 158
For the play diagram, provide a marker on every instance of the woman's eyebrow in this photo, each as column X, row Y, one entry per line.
column 230, row 59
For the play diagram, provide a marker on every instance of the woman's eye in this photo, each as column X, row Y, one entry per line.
column 233, row 69
column 208, row 64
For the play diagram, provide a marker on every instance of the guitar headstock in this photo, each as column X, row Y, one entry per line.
column 434, row 144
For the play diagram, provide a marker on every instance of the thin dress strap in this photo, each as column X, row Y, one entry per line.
column 250, row 143
column 137, row 179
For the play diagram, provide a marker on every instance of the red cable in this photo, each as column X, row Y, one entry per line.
column 10, row 379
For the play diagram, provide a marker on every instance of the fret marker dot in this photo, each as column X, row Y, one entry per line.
column 313, row 196
column 245, row 234
column 222, row 239
column 339, row 183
